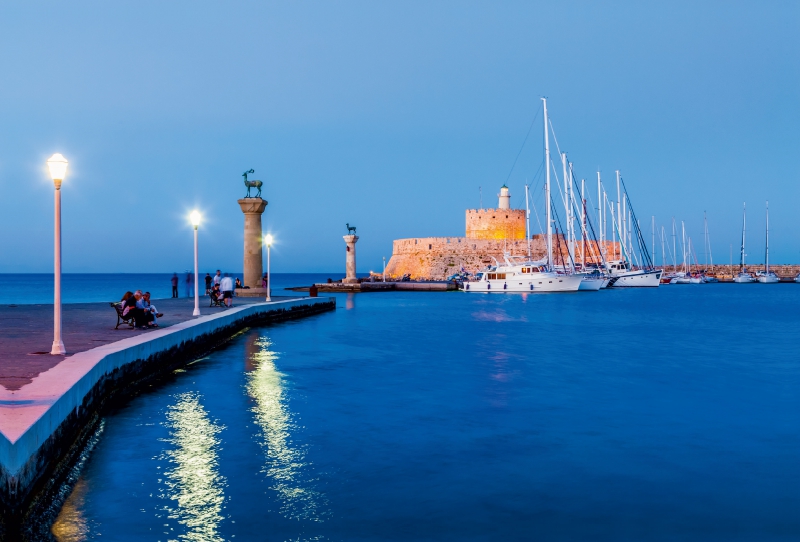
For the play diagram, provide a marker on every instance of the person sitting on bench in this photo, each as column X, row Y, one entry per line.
column 139, row 318
column 150, row 311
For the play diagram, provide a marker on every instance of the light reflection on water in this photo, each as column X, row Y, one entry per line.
column 71, row 524
column 193, row 482
column 286, row 463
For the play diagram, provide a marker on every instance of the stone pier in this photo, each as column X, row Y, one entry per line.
column 253, row 208
column 350, row 259
column 50, row 406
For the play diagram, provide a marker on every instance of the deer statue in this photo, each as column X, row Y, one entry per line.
column 351, row 230
column 252, row 184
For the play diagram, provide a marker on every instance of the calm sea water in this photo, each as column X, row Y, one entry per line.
column 32, row 288
column 667, row 414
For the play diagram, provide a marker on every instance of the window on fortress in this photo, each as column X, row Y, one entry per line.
column 506, row 216
column 430, row 247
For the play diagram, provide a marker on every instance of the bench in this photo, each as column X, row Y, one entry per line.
column 127, row 319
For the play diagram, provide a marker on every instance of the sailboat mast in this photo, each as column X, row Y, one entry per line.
column 621, row 235
column 600, row 214
column 583, row 223
column 567, row 208
column 663, row 259
column 547, row 187
column 744, row 229
column 527, row 221
column 674, row 248
column 683, row 244
column 653, row 229
column 766, row 270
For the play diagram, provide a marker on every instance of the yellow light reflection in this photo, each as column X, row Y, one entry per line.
column 71, row 525
column 286, row 464
column 193, row 481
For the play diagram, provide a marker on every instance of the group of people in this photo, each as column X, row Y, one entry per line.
column 221, row 287
column 144, row 314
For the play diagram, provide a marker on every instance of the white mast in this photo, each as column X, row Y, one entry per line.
column 674, row 248
column 583, row 224
column 527, row 221
column 744, row 228
column 619, row 213
column 766, row 269
column 653, row 228
column 600, row 214
column 683, row 244
column 567, row 209
column 663, row 259
column 547, row 188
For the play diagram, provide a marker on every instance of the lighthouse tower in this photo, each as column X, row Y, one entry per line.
column 505, row 198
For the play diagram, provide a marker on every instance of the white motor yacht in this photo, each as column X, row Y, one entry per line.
column 522, row 277
column 622, row 276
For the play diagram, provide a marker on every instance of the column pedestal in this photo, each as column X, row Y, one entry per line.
column 253, row 208
column 350, row 259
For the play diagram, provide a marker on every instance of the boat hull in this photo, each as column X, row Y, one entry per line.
column 768, row 280
column 591, row 284
column 559, row 283
column 637, row 279
column 743, row 280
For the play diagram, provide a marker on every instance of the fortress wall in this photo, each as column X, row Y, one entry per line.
column 437, row 258
column 495, row 224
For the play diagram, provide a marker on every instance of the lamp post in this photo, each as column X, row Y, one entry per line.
column 195, row 218
column 58, row 168
column 384, row 269
column 268, row 241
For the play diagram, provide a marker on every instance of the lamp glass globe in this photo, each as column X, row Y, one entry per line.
column 58, row 166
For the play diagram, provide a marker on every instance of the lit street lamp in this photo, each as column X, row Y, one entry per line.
column 58, row 168
column 268, row 241
column 384, row 269
column 195, row 218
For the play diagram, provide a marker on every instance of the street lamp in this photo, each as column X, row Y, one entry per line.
column 195, row 218
column 58, row 169
column 384, row 269
column 268, row 241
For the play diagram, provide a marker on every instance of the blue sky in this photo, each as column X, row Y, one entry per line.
column 385, row 115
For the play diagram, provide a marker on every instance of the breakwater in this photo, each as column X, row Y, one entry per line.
column 45, row 423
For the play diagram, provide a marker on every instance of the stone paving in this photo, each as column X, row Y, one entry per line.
column 27, row 330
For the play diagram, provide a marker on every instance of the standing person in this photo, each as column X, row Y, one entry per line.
column 217, row 278
column 226, row 285
column 174, row 281
column 208, row 284
column 264, row 281
column 188, row 284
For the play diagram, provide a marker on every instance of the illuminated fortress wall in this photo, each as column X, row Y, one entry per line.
column 495, row 224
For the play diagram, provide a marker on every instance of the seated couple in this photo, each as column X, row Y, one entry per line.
column 138, row 305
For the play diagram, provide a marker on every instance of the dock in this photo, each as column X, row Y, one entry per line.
column 366, row 286
column 51, row 405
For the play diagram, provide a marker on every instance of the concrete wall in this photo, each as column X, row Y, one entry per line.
column 495, row 224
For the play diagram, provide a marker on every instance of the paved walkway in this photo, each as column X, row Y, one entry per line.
column 28, row 329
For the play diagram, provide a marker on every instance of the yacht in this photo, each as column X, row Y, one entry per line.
column 527, row 276
column 622, row 276
column 766, row 276
column 743, row 277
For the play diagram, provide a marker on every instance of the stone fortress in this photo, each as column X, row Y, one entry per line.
column 489, row 233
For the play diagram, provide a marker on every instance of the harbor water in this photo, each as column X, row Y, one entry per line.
column 658, row 414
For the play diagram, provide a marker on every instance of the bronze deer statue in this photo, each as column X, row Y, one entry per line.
column 351, row 230
column 252, row 184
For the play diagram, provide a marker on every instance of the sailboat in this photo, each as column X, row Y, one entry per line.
column 767, row 276
column 743, row 277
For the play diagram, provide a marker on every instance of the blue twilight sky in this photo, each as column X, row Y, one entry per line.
column 387, row 115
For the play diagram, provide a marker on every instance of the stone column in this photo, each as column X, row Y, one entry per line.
column 350, row 259
column 253, row 208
